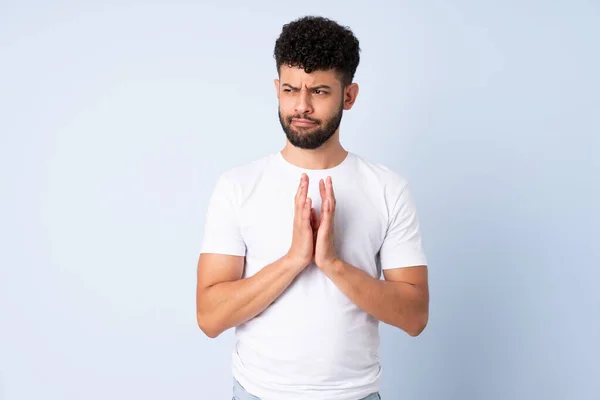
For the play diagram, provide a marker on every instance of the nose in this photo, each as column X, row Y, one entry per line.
column 303, row 103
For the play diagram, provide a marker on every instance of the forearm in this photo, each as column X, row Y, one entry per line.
column 228, row 304
column 400, row 304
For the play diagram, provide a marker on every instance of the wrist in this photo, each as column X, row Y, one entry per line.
column 293, row 263
column 332, row 266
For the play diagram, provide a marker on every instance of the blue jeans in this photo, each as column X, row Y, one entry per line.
column 239, row 393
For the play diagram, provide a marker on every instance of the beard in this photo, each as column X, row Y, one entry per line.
column 313, row 137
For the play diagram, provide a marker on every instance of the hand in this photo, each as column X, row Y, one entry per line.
column 301, row 251
column 325, row 252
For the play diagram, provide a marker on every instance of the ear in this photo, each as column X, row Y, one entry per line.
column 277, row 87
column 350, row 95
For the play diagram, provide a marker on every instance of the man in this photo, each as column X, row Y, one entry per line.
column 295, row 242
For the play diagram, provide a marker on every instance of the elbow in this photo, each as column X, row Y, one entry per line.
column 207, row 326
column 418, row 325
column 211, row 333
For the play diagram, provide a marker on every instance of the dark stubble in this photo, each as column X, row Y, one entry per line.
column 313, row 137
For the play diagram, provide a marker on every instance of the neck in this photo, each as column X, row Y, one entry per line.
column 329, row 155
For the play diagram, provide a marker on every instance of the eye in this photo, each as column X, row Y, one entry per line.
column 320, row 91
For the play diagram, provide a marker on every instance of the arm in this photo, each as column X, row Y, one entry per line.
column 224, row 300
column 402, row 300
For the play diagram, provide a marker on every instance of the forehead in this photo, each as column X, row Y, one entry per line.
column 298, row 77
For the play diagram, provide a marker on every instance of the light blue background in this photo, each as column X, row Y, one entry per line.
column 116, row 118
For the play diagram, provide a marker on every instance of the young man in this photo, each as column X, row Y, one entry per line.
column 295, row 242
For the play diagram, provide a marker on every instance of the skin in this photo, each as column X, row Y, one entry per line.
column 298, row 95
column 225, row 300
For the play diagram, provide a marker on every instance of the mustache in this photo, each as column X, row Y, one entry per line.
column 297, row 116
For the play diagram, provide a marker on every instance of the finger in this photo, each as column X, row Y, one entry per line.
column 322, row 190
column 297, row 196
column 314, row 223
column 299, row 186
column 301, row 193
column 325, row 222
column 304, row 189
column 330, row 194
column 306, row 211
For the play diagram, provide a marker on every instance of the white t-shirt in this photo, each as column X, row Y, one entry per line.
column 312, row 342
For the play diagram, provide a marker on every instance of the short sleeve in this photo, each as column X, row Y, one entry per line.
column 221, row 228
column 402, row 245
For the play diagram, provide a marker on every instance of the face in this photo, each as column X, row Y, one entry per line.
column 311, row 105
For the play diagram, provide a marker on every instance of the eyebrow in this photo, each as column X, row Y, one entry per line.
column 310, row 88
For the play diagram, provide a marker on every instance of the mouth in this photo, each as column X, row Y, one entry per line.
column 303, row 122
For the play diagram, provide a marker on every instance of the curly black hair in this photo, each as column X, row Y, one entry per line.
column 317, row 43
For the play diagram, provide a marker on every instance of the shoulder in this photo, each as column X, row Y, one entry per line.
column 387, row 178
column 393, row 187
column 246, row 171
column 239, row 178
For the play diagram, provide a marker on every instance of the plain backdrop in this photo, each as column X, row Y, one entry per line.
column 116, row 118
